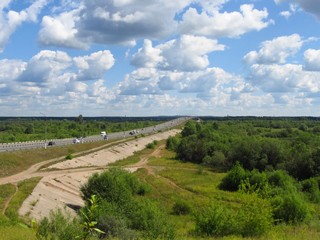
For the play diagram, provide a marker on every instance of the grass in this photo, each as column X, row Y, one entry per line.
column 16, row 232
column 6, row 191
column 177, row 180
column 11, row 226
column 25, row 189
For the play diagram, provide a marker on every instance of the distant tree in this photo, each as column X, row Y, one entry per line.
column 80, row 119
column 29, row 129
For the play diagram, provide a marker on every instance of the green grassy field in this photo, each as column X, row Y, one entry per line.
column 198, row 186
column 12, row 227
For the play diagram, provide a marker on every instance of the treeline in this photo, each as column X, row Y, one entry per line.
column 292, row 145
column 30, row 129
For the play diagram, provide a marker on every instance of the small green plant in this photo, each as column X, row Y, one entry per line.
column 69, row 156
column 89, row 222
column 150, row 145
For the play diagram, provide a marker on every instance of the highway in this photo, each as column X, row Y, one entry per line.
column 4, row 147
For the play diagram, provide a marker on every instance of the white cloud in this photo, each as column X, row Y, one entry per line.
column 61, row 31
column 287, row 78
column 286, row 14
column 10, row 20
column 147, row 56
column 94, row 66
column 276, row 50
column 111, row 22
column 312, row 59
column 45, row 67
column 227, row 24
column 189, row 53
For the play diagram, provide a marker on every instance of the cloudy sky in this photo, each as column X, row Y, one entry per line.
column 159, row 57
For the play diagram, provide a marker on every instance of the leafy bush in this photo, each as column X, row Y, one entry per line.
column 216, row 160
column 234, row 178
column 289, row 208
column 254, row 218
column 58, row 226
column 311, row 188
column 114, row 185
column 69, row 156
column 181, row 208
column 214, row 221
column 150, row 145
column 147, row 217
column 172, row 143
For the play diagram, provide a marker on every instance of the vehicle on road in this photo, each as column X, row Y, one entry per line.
column 76, row 140
column 51, row 143
column 133, row 132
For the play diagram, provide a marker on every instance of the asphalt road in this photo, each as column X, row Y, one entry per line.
column 112, row 136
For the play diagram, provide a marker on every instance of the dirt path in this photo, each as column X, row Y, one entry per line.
column 6, row 204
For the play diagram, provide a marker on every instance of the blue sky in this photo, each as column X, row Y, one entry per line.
column 151, row 57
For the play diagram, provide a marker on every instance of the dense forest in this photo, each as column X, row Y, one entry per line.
column 287, row 144
column 30, row 129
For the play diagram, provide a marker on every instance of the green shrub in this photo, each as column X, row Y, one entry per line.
column 69, row 156
column 58, row 226
column 289, row 208
column 214, row 221
column 216, row 160
column 234, row 178
column 311, row 188
column 172, row 143
column 254, row 218
column 148, row 218
column 150, row 145
column 181, row 208
column 113, row 185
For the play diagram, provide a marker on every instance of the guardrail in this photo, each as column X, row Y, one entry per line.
column 68, row 141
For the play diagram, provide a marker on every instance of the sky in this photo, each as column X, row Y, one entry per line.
column 159, row 57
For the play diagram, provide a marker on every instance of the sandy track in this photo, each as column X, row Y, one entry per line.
column 60, row 187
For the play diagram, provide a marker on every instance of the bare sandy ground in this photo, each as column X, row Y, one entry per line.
column 60, row 187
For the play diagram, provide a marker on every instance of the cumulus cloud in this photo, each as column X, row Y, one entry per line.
column 10, row 20
column 94, row 66
column 188, row 53
column 45, row 67
column 312, row 59
column 111, row 22
column 275, row 51
column 227, row 24
column 147, row 56
column 285, row 78
column 54, row 78
column 61, row 31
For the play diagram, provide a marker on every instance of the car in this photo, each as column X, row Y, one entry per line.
column 51, row 143
column 133, row 132
column 76, row 140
